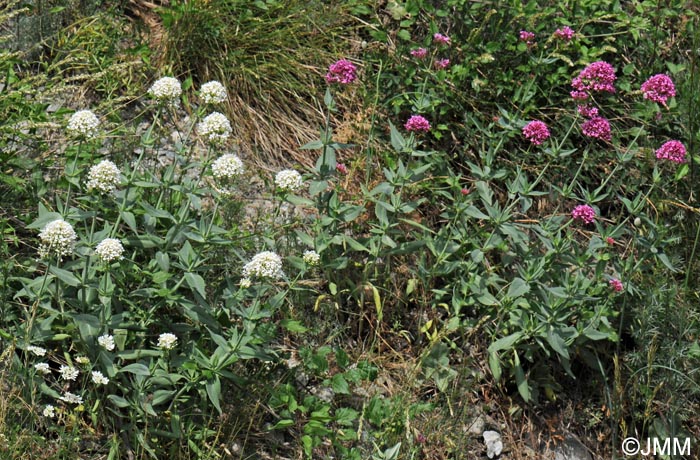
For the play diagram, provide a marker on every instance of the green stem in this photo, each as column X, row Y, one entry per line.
column 122, row 206
column 66, row 206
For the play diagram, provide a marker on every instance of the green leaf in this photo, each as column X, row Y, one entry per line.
column 397, row 140
column 340, row 385
column 144, row 241
column 474, row 212
column 354, row 244
column 313, row 145
column 486, row 298
column 44, row 217
column 328, row 99
column 521, row 380
column 157, row 213
column 518, row 288
column 392, row 453
column 196, row 283
column 136, row 369
column 317, row 187
column 305, row 238
column 345, row 416
column 214, row 392
column 293, row 325
column 327, row 164
column 88, row 325
column 404, row 34
column 285, row 423
column 118, row 401
column 65, row 276
column 495, row 365
column 664, row 260
column 557, row 343
column 506, row 342
column 299, row 201
column 130, row 220
column 350, row 213
column 162, row 396
column 138, row 354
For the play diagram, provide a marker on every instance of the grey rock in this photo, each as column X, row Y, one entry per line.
column 571, row 449
column 477, row 426
column 494, row 444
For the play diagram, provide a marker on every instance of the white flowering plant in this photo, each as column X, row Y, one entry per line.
column 127, row 276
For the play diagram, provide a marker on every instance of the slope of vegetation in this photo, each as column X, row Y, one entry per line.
column 283, row 229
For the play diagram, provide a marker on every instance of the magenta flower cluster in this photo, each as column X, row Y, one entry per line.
column 419, row 53
column 587, row 111
column 673, row 151
column 422, row 53
column 342, row 71
column 536, row 132
column 442, row 39
column 597, row 127
column 659, row 88
column 584, row 213
column 566, row 33
column 616, row 284
column 442, row 63
column 417, row 123
column 596, row 77
column 527, row 37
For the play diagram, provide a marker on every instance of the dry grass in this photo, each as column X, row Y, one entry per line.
column 272, row 62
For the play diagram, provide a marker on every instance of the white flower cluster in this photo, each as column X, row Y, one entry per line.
column 83, row 123
column 68, row 372
column 42, row 368
column 167, row 341
column 266, row 264
column 245, row 283
column 213, row 92
column 99, row 379
column 166, row 90
column 215, row 128
column 109, row 249
column 71, row 398
column 104, row 176
column 227, row 166
column 311, row 258
column 57, row 237
column 106, row 341
column 289, row 180
column 82, row 360
column 36, row 350
column 49, row 411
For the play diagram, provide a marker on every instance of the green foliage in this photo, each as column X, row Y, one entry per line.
column 449, row 244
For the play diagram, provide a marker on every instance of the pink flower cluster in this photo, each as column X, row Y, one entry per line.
column 527, row 37
column 584, row 213
column 342, row 71
column 616, row 284
column 566, row 33
column 536, row 132
column 588, row 111
column 659, row 88
column 442, row 39
column 596, row 77
column 417, row 123
column 442, row 63
column 597, row 127
column 419, row 53
column 673, row 151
